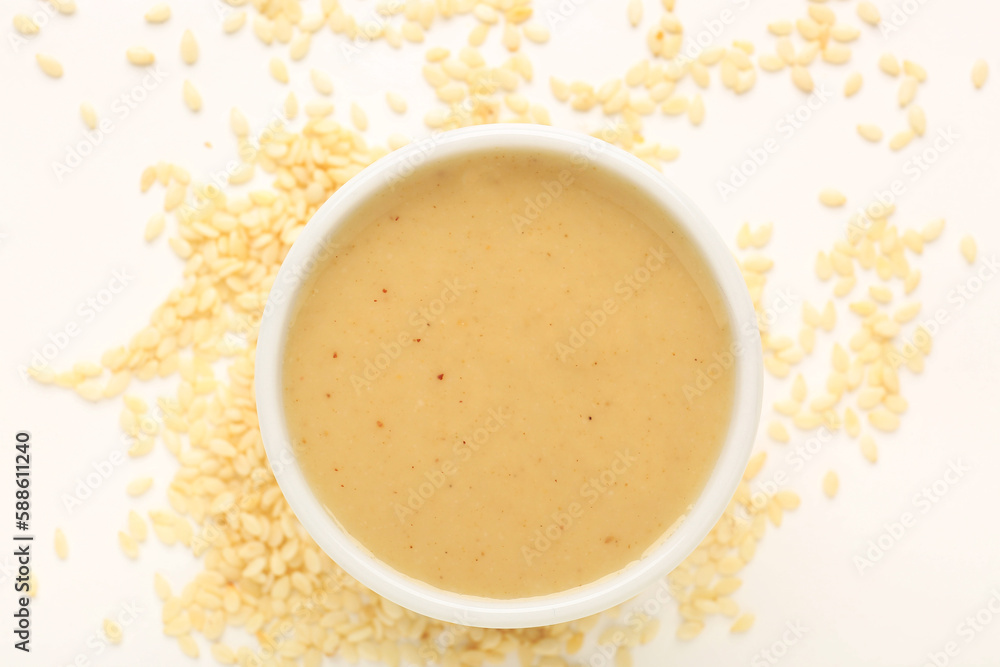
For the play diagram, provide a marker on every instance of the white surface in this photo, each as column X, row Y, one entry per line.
column 63, row 241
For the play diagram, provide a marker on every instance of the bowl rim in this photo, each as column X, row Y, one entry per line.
column 575, row 603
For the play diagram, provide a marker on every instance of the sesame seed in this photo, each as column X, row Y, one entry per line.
column 537, row 33
column 436, row 54
column 25, row 25
column 853, row 84
column 321, row 82
column 968, row 247
column 299, row 47
column 802, row 79
column 869, row 13
column 932, row 230
column 158, row 13
column 916, row 71
column 291, row 106
column 777, row 432
column 831, row 484
column 780, row 28
column 889, row 64
column 917, row 120
column 140, row 56
column 754, row 465
column 188, row 646
column 832, row 198
column 162, row 587
column 128, row 545
column 836, row 54
column 901, row 140
column 238, row 123
column 743, row 623
column 233, row 21
column 192, row 98
column 89, row 115
column 696, row 110
column 112, row 630
column 49, row 65
column 278, row 70
column 883, row 419
column 65, row 7
column 61, row 545
column 139, row 486
column 907, row 91
column 358, row 117
column 868, row 448
column 689, row 630
column 635, row 12
column 980, row 72
column 189, row 48
column 413, row 32
column 843, row 32
column 770, row 62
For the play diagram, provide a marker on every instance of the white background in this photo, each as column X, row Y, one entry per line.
column 63, row 241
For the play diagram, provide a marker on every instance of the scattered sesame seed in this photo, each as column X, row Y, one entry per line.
column 968, row 247
column 743, row 623
column 139, row 486
column 140, row 56
column 158, row 13
column 888, row 64
column 868, row 448
column 192, row 98
column 278, row 69
column 189, row 48
column 62, row 546
column 112, row 630
column 802, row 79
column 831, row 484
column 917, row 120
column 358, row 117
column 869, row 13
column 25, row 25
column 980, row 71
column 907, row 91
column 777, row 432
column 901, row 139
column 832, row 198
column 853, row 84
column 233, row 21
column 89, row 115
column 49, row 65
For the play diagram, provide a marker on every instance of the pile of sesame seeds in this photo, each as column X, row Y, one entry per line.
column 263, row 575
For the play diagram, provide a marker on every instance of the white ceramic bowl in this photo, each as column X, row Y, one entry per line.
column 308, row 251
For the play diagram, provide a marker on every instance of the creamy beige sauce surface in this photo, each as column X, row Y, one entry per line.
column 496, row 381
